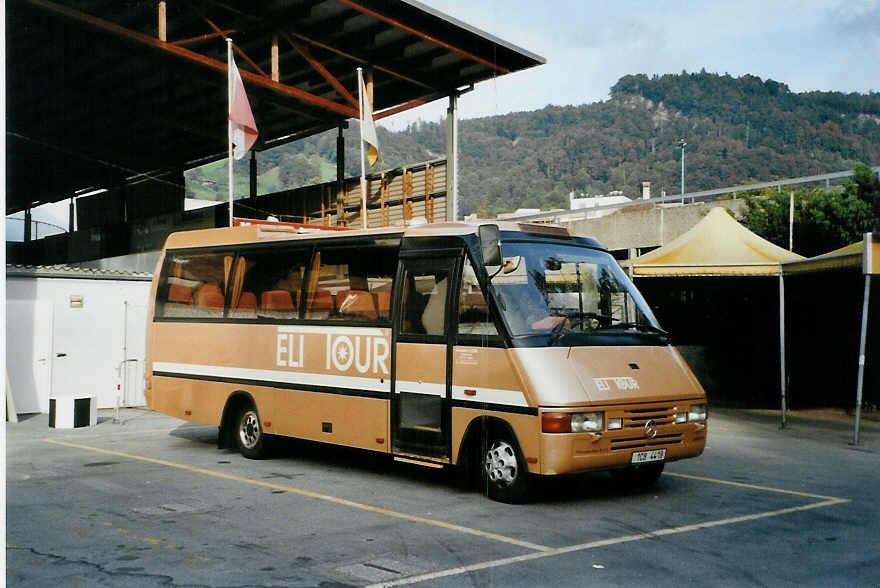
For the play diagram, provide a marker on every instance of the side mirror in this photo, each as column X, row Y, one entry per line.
column 490, row 244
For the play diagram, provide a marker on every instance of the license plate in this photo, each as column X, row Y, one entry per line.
column 648, row 456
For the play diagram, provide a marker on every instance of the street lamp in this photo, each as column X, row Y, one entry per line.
column 682, row 143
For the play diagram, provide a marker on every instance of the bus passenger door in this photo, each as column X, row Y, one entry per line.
column 420, row 413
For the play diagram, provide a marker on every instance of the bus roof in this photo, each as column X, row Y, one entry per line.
column 261, row 233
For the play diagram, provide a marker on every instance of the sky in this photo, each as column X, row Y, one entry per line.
column 590, row 44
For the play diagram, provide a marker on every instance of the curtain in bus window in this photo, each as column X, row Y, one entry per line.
column 238, row 307
column 192, row 285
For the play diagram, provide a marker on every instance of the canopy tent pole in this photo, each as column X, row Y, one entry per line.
column 782, row 378
column 862, row 340
column 868, row 268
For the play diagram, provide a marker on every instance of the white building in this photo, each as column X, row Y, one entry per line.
column 75, row 332
column 581, row 202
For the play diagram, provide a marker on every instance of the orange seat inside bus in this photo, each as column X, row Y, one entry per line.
column 276, row 300
column 323, row 301
column 383, row 303
column 247, row 301
column 357, row 303
column 180, row 294
column 209, row 296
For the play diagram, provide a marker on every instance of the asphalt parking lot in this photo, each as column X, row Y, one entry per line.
column 150, row 501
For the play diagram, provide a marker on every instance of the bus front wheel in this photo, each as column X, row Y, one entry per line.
column 503, row 471
column 249, row 435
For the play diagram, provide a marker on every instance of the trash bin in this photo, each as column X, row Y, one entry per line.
column 71, row 412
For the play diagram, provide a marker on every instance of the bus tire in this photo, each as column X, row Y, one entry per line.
column 503, row 470
column 249, row 435
column 639, row 478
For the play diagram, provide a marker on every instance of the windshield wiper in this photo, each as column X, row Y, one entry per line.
column 574, row 318
column 638, row 326
column 569, row 320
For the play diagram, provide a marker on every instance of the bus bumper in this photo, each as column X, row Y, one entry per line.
column 565, row 453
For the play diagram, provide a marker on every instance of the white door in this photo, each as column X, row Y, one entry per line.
column 132, row 374
column 29, row 353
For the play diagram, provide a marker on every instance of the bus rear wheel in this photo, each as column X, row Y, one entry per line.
column 504, row 475
column 249, row 435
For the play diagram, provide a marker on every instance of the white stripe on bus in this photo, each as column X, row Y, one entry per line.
column 426, row 388
column 270, row 376
column 490, row 395
column 487, row 395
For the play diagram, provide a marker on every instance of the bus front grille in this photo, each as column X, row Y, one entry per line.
column 642, row 442
column 636, row 418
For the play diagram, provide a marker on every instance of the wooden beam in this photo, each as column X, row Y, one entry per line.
column 409, row 105
column 418, row 33
column 238, row 49
column 319, row 67
column 198, row 58
column 361, row 60
column 205, row 37
column 163, row 27
column 276, row 69
column 368, row 84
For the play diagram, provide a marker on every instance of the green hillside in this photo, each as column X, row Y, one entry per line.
column 737, row 129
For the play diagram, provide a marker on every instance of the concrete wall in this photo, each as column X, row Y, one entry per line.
column 648, row 225
column 56, row 348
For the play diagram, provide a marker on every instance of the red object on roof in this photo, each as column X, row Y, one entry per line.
column 245, row 222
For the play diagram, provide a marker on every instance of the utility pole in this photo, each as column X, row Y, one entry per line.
column 682, row 143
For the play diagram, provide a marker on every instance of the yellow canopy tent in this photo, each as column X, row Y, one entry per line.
column 716, row 246
column 719, row 246
column 845, row 257
column 863, row 254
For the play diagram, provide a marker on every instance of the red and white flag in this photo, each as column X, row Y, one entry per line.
column 243, row 129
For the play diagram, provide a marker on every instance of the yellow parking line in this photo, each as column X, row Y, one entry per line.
column 602, row 543
column 310, row 494
column 753, row 486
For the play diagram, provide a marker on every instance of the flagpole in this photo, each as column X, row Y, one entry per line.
column 228, row 120
column 363, row 170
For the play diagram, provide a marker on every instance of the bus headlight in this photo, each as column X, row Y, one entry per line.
column 697, row 413
column 614, row 424
column 586, row 421
column 571, row 422
column 681, row 417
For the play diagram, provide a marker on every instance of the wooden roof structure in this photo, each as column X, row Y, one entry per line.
column 101, row 91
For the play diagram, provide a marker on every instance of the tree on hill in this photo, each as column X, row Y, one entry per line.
column 824, row 219
column 735, row 127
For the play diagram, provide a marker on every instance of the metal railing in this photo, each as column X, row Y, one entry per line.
column 692, row 197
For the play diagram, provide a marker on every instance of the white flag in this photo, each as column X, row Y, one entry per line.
column 243, row 130
column 368, row 127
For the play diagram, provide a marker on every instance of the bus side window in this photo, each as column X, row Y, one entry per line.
column 351, row 284
column 192, row 285
column 424, row 303
column 267, row 282
column 473, row 312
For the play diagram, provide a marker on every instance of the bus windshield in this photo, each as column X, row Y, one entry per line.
column 570, row 295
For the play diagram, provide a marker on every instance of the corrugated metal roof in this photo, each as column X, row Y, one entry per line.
column 68, row 271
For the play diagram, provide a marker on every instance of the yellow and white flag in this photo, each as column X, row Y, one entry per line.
column 368, row 127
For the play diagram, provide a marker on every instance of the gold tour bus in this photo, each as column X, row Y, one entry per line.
column 504, row 349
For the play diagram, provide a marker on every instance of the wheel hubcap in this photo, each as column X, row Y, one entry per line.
column 249, row 432
column 501, row 466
